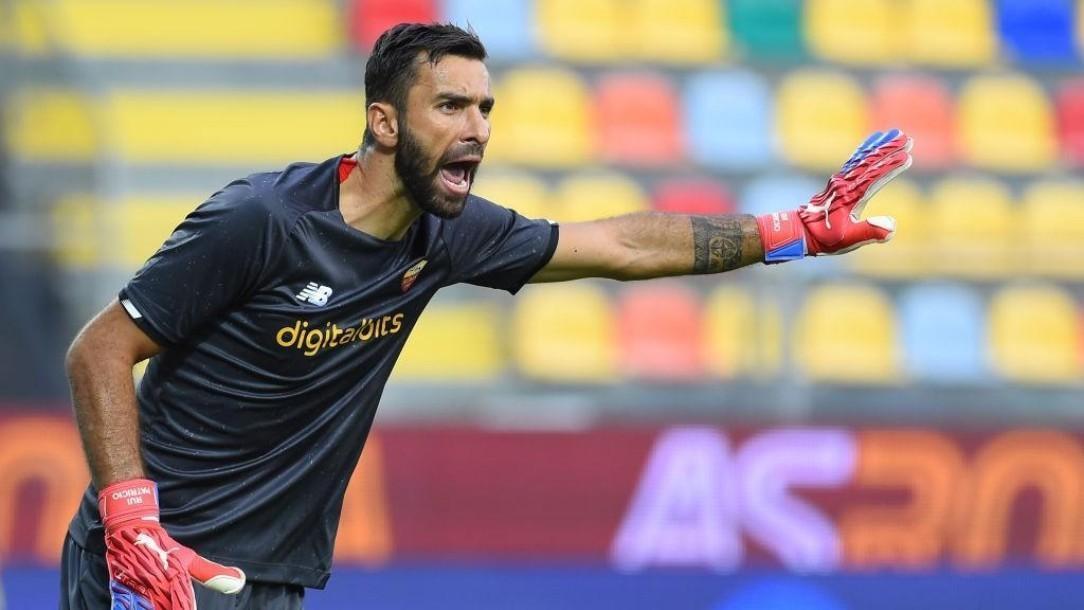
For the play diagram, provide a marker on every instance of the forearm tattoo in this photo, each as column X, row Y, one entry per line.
column 717, row 243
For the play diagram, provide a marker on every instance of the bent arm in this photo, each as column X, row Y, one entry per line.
column 653, row 244
column 99, row 365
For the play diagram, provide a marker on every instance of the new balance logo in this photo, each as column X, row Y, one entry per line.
column 315, row 293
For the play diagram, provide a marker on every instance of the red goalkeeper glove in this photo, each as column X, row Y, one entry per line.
column 148, row 570
column 829, row 223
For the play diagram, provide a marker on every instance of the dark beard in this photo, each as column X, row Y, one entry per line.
column 421, row 186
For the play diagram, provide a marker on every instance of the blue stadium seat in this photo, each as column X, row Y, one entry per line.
column 1037, row 30
column 728, row 120
column 943, row 332
column 505, row 26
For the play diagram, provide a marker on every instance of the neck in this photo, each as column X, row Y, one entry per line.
column 373, row 199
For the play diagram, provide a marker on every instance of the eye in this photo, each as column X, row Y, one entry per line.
column 448, row 106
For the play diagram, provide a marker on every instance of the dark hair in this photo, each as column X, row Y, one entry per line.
column 392, row 66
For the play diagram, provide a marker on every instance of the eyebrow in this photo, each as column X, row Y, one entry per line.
column 459, row 98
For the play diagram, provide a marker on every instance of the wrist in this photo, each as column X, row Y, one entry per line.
column 125, row 501
column 783, row 236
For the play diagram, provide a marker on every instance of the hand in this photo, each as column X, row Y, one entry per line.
column 148, row 570
column 829, row 223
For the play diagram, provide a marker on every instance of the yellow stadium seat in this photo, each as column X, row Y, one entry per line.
column 139, row 225
column 51, row 125
column 541, row 118
column 565, row 333
column 203, row 29
column 524, row 193
column 26, row 28
column 1053, row 222
column 77, row 226
column 973, row 229
column 1035, row 334
column 453, row 342
column 678, row 31
column 597, row 195
column 240, row 127
column 858, row 32
column 583, row 30
column 1006, row 124
column 951, row 34
column 820, row 118
column 743, row 335
column 908, row 254
column 847, row 334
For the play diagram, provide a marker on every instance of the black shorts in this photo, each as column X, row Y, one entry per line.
column 84, row 585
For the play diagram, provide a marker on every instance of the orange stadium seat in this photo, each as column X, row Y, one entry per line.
column 908, row 254
column 456, row 342
column 565, row 333
column 1053, row 222
column 1006, row 124
column 1035, row 334
column 524, row 193
column 637, row 122
column 596, row 195
column 1070, row 104
column 585, row 31
column 821, row 117
column 677, row 31
column 956, row 34
column 973, row 229
column 743, row 335
column 860, row 32
column 922, row 107
column 369, row 18
column 659, row 330
column 542, row 118
column 693, row 196
column 847, row 334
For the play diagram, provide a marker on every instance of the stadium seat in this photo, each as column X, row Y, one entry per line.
column 51, row 125
column 856, row 32
column 1070, row 110
column 776, row 192
column 583, row 31
column 139, row 225
column 846, row 334
column 677, row 31
column 692, row 196
column 944, row 332
column 973, row 228
column 197, row 29
column 1053, row 223
column 565, row 333
column 743, row 335
column 524, row 193
column 77, row 223
column 457, row 342
column 637, row 121
column 1006, row 124
column 922, row 107
column 956, row 34
column 590, row 196
column 821, row 117
column 767, row 29
column 659, row 332
column 506, row 27
column 728, row 120
column 369, row 18
column 25, row 30
column 245, row 128
column 908, row 254
column 541, row 118
column 1039, row 31
column 1034, row 334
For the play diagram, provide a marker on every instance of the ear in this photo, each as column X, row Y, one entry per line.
column 383, row 121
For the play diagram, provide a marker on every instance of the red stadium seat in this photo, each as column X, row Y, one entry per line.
column 923, row 107
column 637, row 118
column 1070, row 102
column 694, row 196
column 659, row 332
column 369, row 18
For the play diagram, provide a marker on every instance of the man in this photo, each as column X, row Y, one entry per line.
column 273, row 316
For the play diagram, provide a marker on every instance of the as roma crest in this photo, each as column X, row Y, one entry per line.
column 412, row 274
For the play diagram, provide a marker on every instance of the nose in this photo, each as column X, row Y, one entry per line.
column 477, row 128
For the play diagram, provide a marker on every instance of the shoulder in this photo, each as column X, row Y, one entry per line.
column 478, row 211
column 280, row 198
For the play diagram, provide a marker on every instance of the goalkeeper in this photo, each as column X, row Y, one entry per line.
column 273, row 315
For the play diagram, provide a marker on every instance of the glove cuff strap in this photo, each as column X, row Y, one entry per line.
column 128, row 500
column 782, row 236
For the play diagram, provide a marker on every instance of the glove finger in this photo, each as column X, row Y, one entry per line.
column 890, row 167
column 859, row 153
column 216, row 576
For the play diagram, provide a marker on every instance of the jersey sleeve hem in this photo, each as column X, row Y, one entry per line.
column 137, row 311
column 544, row 260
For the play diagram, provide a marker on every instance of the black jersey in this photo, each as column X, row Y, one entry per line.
column 279, row 325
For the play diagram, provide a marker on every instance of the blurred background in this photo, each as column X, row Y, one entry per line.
column 900, row 427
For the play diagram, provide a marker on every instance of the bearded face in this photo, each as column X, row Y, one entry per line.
column 438, row 184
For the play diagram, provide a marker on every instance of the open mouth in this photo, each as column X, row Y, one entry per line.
column 457, row 176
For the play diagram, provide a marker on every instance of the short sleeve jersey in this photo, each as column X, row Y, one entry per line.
column 280, row 325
